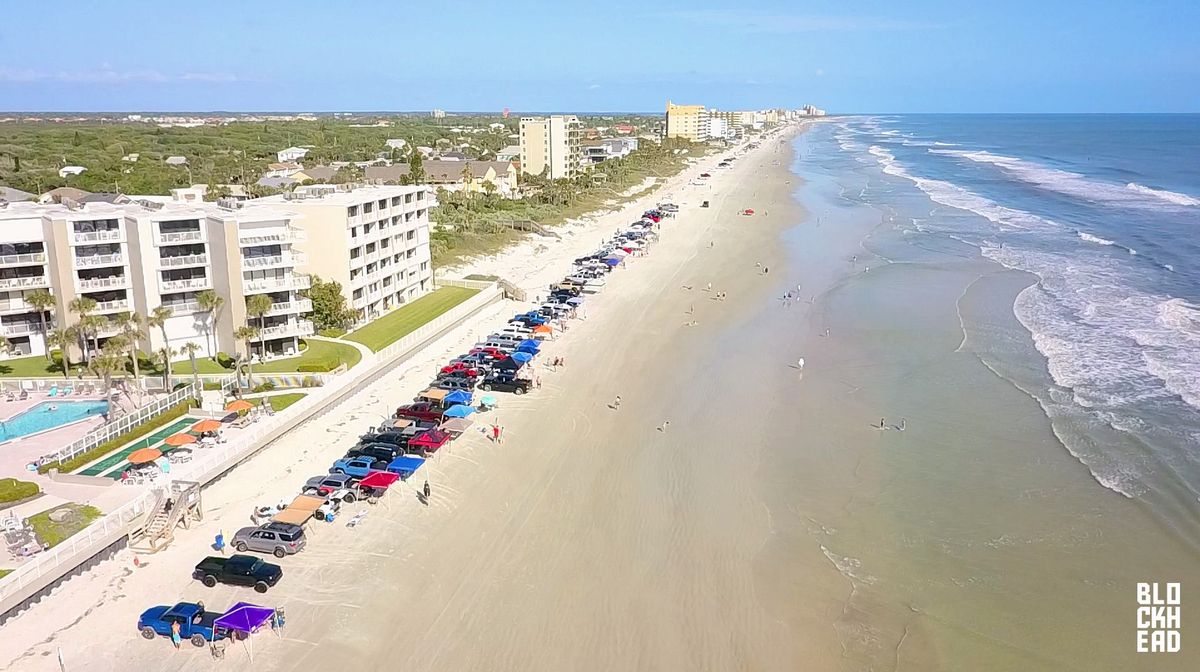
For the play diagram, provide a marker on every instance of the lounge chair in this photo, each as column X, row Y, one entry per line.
column 24, row 395
column 53, row 392
column 67, row 390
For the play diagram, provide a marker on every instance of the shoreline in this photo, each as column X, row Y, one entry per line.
column 278, row 468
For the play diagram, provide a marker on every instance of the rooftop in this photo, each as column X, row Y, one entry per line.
column 338, row 194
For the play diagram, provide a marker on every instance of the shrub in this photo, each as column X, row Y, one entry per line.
column 224, row 360
column 209, row 385
column 151, row 424
column 319, row 366
column 264, row 387
column 310, row 381
column 12, row 490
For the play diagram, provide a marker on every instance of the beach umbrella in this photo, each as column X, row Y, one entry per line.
column 206, row 426
column 457, row 397
column 521, row 357
column 488, row 400
column 459, row 411
column 144, row 455
column 180, row 439
column 239, row 405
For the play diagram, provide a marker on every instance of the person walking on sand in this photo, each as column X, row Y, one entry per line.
column 495, row 433
column 663, row 427
column 708, row 288
column 617, row 403
column 426, row 489
column 175, row 638
column 903, row 424
column 219, row 542
column 800, row 363
column 882, row 424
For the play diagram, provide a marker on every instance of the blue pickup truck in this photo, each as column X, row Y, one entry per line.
column 195, row 624
column 357, row 467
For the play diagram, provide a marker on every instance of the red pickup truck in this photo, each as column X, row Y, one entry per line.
column 421, row 410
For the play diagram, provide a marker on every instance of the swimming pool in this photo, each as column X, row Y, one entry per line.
column 48, row 415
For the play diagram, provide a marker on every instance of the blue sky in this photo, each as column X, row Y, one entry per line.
column 617, row 55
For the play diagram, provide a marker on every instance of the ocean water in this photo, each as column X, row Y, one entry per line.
column 1103, row 211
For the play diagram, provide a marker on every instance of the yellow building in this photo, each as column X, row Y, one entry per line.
column 689, row 122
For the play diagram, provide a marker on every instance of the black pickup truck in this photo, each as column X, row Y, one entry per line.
column 238, row 570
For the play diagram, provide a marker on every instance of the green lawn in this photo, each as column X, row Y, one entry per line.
column 36, row 366
column 399, row 323
column 315, row 352
column 50, row 532
column 282, row 401
column 12, row 490
column 5, row 572
column 203, row 364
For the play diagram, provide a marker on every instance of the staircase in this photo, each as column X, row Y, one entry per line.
column 178, row 503
column 511, row 291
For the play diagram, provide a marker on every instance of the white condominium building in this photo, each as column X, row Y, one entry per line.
column 553, row 145
column 374, row 240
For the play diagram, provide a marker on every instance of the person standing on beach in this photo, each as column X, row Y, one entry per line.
column 426, row 489
column 882, row 424
column 219, row 542
column 617, row 403
column 663, row 427
column 903, row 424
column 495, row 433
column 175, row 638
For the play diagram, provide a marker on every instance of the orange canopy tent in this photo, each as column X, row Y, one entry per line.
column 206, row 426
column 180, row 439
column 543, row 329
column 144, row 455
column 239, row 405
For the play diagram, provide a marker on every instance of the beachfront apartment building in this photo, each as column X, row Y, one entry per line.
column 552, row 146
column 689, row 122
column 374, row 240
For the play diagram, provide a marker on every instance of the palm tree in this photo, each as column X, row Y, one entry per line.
column 89, row 327
column 247, row 334
column 157, row 319
column 62, row 339
column 163, row 359
column 105, row 365
column 83, row 307
column 191, row 349
column 257, row 306
column 41, row 300
column 5, row 345
column 211, row 303
column 131, row 330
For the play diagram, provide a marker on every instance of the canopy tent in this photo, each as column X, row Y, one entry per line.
column 458, row 411
column 488, row 400
column 180, row 439
column 379, row 479
column 521, row 357
column 405, row 465
column 247, row 618
column 543, row 329
column 529, row 345
column 434, row 394
column 239, row 405
column 206, row 426
column 144, row 455
column 456, row 426
column 300, row 510
column 575, row 301
column 430, row 440
column 457, row 397
column 401, row 423
column 612, row 261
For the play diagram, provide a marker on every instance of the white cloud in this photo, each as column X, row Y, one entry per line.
column 593, row 87
column 106, row 74
column 750, row 21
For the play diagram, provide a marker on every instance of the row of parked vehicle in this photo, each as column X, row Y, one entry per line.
column 499, row 363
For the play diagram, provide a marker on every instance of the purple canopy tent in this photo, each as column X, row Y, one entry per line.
column 247, row 618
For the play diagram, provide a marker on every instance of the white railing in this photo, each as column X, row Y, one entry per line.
column 183, row 308
column 21, row 283
column 184, row 284
column 265, row 261
column 297, row 328
column 119, row 426
column 112, row 306
column 22, row 259
column 297, row 306
column 293, row 235
column 103, row 283
column 109, row 235
column 19, row 328
column 99, row 260
column 180, row 237
column 15, row 305
column 183, row 260
column 278, row 284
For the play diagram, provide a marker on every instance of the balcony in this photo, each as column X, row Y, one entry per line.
column 19, row 329
column 104, row 236
column 93, row 284
column 183, row 260
column 186, row 284
column 288, row 307
column 177, row 237
column 252, row 263
column 22, row 259
column 297, row 328
column 291, row 235
column 15, row 306
column 27, row 282
column 183, row 308
column 112, row 306
column 277, row 284
column 98, row 260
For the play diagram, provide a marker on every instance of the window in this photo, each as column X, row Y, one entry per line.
column 368, row 207
column 358, row 294
column 355, row 253
column 395, row 201
column 410, row 235
column 424, row 265
column 382, row 203
column 352, row 211
column 354, row 232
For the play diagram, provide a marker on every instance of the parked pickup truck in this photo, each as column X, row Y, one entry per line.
column 237, row 570
column 505, row 384
column 195, row 624
column 357, row 466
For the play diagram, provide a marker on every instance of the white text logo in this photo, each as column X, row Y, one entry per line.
column 1158, row 617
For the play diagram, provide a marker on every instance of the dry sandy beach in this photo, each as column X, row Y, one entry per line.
column 587, row 540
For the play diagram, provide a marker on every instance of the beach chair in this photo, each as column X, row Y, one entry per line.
column 24, row 395
column 68, row 390
column 53, row 392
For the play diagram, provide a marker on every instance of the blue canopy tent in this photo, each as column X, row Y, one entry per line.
column 457, row 397
column 521, row 357
column 612, row 261
column 244, row 617
column 405, row 465
column 531, row 346
column 458, row 411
